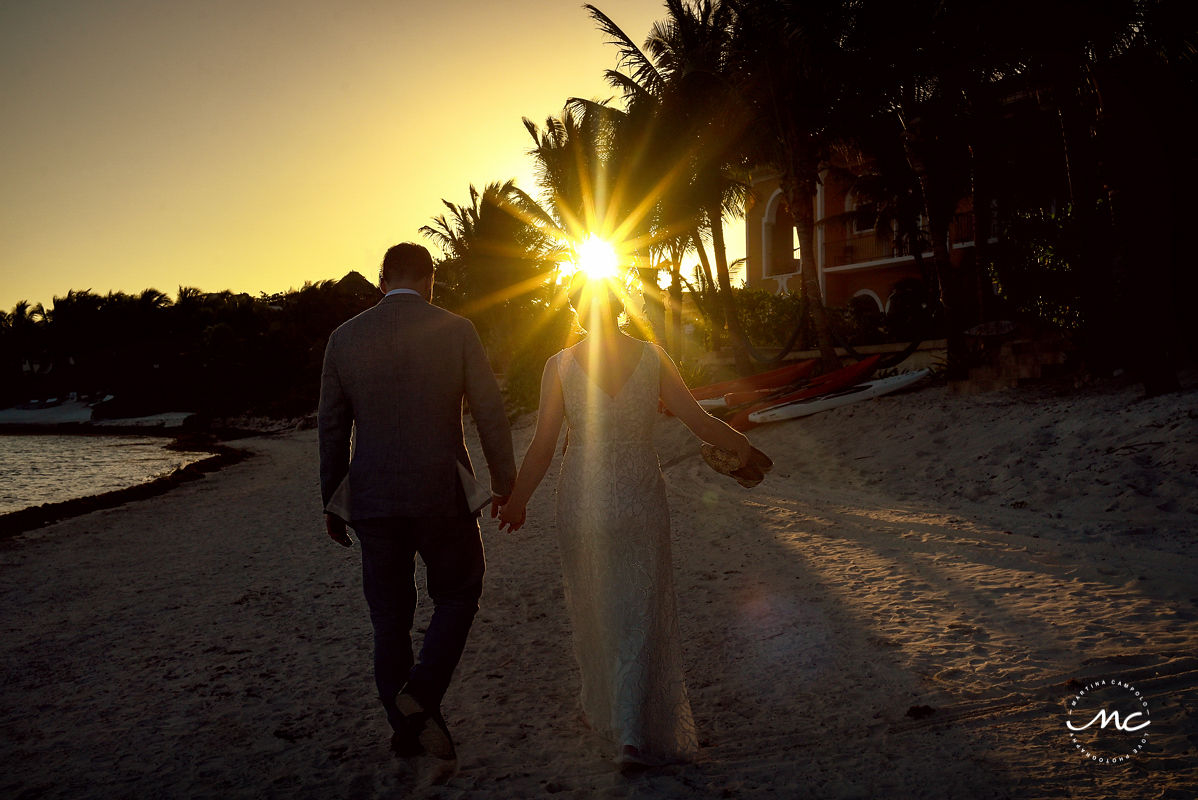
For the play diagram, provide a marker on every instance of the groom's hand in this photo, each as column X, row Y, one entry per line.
column 497, row 503
column 335, row 527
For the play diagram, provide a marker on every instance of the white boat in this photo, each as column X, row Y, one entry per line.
column 824, row 402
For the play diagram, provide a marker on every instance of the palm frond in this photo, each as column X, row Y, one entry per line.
column 630, row 55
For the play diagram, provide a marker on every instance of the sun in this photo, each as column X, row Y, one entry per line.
column 597, row 258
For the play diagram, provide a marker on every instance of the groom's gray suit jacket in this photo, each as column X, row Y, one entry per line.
column 399, row 372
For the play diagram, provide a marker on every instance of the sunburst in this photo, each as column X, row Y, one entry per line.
column 597, row 258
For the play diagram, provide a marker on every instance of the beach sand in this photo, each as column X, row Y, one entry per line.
column 968, row 554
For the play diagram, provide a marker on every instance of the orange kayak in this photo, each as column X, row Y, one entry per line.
column 831, row 382
column 774, row 379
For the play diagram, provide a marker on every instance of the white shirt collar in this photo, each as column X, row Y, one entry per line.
column 403, row 291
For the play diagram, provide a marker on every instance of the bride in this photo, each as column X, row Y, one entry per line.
column 614, row 525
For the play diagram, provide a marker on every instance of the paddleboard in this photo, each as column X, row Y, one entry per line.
column 824, row 402
column 817, row 387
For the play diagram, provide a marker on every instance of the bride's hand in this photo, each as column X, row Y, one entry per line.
column 512, row 516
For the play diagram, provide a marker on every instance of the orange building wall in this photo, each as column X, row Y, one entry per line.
column 850, row 261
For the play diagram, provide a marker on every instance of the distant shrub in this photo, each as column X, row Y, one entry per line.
column 767, row 319
column 217, row 354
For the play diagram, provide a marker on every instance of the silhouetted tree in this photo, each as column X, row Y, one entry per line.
column 498, row 258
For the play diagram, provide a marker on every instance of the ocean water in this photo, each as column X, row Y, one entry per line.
column 50, row 468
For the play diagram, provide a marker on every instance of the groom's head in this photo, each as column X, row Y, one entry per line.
column 407, row 266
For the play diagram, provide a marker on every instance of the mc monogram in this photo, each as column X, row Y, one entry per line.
column 1105, row 720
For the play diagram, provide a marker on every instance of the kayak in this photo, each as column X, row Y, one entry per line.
column 824, row 384
column 733, row 399
column 843, row 397
column 773, row 379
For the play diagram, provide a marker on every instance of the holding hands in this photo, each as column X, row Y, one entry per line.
column 511, row 515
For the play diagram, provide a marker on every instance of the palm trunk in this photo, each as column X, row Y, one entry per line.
column 716, row 321
column 678, row 346
column 740, row 354
column 939, row 208
column 1104, row 348
column 950, row 294
column 800, row 196
column 674, row 305
column 983, row 220
column 654, row 313
column 704, row 262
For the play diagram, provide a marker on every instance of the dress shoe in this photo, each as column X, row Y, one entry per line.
column 431, row 732
column 405, row 744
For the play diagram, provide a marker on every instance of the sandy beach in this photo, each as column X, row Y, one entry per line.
column 978, row 556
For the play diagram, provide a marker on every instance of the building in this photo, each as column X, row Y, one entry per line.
column 851, row 260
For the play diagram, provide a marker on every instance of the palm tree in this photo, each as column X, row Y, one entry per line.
column 793, row 68
column 681, row 74
column 586, row 162
column 1110, row 72
column 1121, row 76
column 26, row 333
column 497, row 255
column 10, row 360
column 690, row 51
column 76, row 335
column 568, row 162
column 647, row 208
column 933, row 73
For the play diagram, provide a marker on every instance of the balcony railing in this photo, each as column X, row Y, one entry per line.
column 862, row 248
column 869, row 247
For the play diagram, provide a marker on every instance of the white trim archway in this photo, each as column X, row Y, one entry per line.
column 871, row 294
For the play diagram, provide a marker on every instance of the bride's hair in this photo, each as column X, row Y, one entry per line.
column 587, row 295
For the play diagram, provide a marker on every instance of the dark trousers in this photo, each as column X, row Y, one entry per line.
column 452, row 551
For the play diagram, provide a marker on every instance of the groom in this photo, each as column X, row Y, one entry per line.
column 396, row 376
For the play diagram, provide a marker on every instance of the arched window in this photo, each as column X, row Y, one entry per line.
column 780, row 250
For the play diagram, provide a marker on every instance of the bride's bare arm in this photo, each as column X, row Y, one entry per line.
column 537, row 458
column 678, row 399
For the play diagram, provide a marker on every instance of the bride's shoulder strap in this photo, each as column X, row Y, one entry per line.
column 562, row 357
column 655, row 354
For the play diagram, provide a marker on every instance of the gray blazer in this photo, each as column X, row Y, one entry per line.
column 398, row 373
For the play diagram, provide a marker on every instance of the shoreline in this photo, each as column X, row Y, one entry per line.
column 218, row 431
column 39, row 516
column 193, row 433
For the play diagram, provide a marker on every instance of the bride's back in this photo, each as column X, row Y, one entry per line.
column 610, row 396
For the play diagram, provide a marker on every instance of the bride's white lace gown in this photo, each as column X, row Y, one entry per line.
column 614, row 529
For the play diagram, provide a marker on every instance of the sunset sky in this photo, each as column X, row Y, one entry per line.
column 257, row 144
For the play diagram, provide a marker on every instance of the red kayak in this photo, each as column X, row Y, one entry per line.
column 773, row 379
column 831, row 382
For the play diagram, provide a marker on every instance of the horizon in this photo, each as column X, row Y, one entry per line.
column 157, row 147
